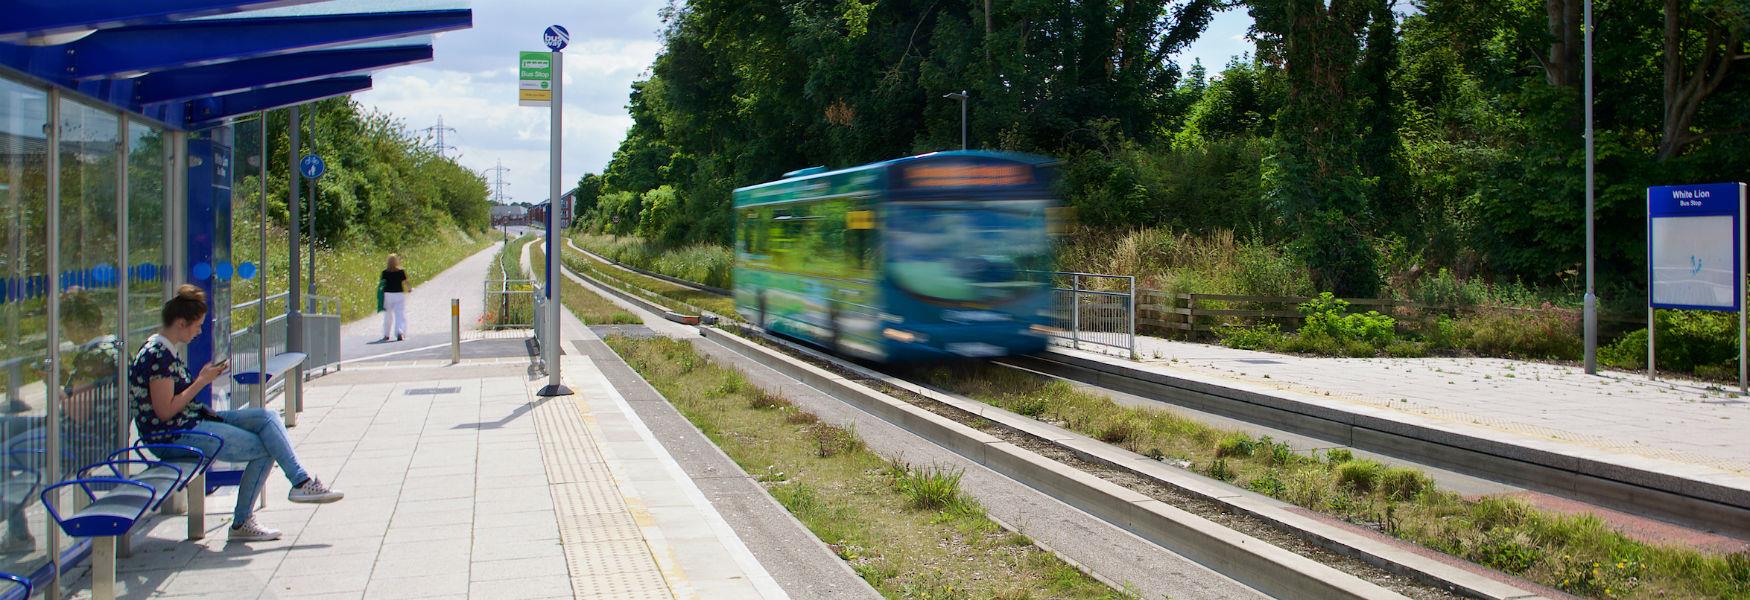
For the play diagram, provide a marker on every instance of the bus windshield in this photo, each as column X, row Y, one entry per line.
column 979, row 251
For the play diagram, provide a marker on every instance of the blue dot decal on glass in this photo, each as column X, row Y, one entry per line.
column 246, row 271
column 148, row 271
column 225, row 271
column 202, row 271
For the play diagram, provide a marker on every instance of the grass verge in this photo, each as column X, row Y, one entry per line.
column 350, row 272
column 589, row 306
column 906, row 529
column 1577, row 554
column 721, row 305
column 508, row 304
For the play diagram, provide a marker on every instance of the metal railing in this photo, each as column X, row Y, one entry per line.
column 538, row 298
column 1094, row 309
column 510, row 304
column 249, row 344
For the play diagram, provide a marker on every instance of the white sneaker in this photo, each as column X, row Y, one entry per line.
column 250, row 531
column 313, row 492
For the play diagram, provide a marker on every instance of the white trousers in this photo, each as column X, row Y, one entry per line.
column 394, row 313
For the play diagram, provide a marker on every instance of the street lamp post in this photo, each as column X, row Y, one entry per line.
column 963, row 96
column 1590, row 306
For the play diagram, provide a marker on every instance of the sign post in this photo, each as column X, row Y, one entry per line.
column 1695, row 257
column 556, row 38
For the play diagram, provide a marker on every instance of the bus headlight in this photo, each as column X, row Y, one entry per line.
column 1039, row 329
column 899, row 335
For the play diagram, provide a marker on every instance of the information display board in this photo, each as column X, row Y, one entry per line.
column 534, row 79
column 1695, row 259
column 1693, row 246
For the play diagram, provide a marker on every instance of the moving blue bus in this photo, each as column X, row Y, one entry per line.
column 925, row 257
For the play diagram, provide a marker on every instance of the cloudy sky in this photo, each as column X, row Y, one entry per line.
column 472, row 84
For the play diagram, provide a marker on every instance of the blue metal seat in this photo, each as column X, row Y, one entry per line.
column 113, row 505
column 198, row 477
column 192, row 460
column 14, row 586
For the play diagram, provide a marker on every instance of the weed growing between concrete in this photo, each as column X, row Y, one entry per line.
column 1577, row 554
column 908, row 530
column 589, row 306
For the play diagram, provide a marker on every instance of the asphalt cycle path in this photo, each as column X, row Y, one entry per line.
column 428, row 309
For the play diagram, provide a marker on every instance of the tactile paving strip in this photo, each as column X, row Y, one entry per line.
column 604, row 548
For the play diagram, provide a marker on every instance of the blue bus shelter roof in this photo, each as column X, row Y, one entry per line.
column 190, row 64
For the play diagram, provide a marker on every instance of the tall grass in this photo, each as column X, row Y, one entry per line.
column 1175, row 262
column 699, row 263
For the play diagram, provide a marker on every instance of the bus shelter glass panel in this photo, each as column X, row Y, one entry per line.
column 247, row 275
column 90, row 381
column 148, row 255
column 23, row 315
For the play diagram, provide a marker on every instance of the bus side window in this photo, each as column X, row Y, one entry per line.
column 859, row 234
column 744, row 242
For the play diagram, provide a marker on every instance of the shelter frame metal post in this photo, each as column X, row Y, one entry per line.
column 294, row 292
column 52, row 333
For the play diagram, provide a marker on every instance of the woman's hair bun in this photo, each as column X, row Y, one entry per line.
column 190, row 292
column 189, row 305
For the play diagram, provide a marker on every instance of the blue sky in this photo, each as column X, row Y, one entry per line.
column 472, row 83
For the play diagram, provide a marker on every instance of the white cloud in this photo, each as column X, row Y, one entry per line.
column 472, row 85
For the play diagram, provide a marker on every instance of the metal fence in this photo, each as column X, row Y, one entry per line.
column 510, row 304
column 1094, row 309
column 253, row 343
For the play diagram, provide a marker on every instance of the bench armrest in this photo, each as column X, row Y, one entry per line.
column 85, row 484
column 169, row 437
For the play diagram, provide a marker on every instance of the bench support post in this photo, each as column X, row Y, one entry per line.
column 103, row 568
column 175, row 505
column 197, row 506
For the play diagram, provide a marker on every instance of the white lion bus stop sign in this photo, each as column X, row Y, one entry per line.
column 1695, row 255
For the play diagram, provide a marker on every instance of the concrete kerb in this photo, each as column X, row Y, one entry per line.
column 1253, row 562
column 591, row 347
column 739, row 553
column 1647, row 489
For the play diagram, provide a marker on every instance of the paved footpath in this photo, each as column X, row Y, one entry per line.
column 428, row 309
column 462, row 483
column 1698, row 425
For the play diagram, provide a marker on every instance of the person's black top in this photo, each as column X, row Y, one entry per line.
column 394, row 282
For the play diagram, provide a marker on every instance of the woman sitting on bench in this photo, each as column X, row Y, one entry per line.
column 164, row 402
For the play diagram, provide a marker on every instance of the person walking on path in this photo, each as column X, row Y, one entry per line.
column 164, row 405
column 395, row 290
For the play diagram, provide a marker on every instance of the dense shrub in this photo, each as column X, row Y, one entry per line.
column 1703, row 342
column 1328, row 316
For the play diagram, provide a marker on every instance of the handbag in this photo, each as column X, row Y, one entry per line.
column 380, row 285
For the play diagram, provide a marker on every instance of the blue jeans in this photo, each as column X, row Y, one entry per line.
column 254, row 436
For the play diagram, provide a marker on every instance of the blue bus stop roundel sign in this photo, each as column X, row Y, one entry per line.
column 556, row 38
column 312, row 166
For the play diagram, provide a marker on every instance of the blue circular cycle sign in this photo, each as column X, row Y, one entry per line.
column 312, row 166
column 556, row 38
